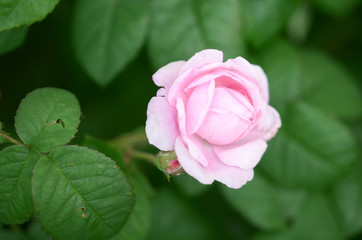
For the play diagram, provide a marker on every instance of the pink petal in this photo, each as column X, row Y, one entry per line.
column 198, row 105
column 192, row 142
column 177, row 89
column 191, row 165
column 161, row 124
column 161, row 92
column 243, row 155
column 229, row 117
column 203, row 58
column 166, row 75
column 267, row 126
column 262, row 83
column 242, row 67
column 233, row 177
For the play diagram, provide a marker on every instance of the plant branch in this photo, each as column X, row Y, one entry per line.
column 144, row 156
column 7, row 137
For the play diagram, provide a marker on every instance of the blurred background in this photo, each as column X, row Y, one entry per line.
column 308, row 184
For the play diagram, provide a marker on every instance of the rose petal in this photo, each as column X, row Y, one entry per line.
column 262, row 83
column 243, row 155
column 161, row 124
column 233, row 177
column 161, row 92
column 227, row 120
column 198, row 106
column 166, row 75
column 189, row 164
column 192, row 142
column 242, row 67
column 268, row 124
column 203, row 58
column 177, row 89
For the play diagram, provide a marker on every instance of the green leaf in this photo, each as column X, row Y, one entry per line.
column 264, row 19
column 12, row 39
column 105, row 148
column 180, row 28
column 138, row 223
column 173, row 218
column 16, row 167
column 258, row 202
column 329, row 86
column 311, row 76
column 316, row 220
column 80, row 194
column 47, row 118
column 14, row 13
column 311, row 150
column 108, row 34
column 265, row 204
column 347, row 195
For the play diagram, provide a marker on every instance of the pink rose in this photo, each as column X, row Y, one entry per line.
column 215, row 115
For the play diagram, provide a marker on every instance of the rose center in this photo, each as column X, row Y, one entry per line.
column 229, row 117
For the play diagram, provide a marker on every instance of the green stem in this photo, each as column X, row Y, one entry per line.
column 135, row 138
column 144, row 156
column 10, row 138
column 127, row 143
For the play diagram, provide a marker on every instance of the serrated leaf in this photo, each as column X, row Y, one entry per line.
column 138, row 223
column 179, row 29
column 311, row 150
column 105, row 148
column 47, row 118
column 264, row 19
column 80, row 194
column 14, row 13
column 16, row 166
column 12, row 39
column 108, row 34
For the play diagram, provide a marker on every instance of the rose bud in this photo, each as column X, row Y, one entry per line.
column 167, row 162
column 215, row 115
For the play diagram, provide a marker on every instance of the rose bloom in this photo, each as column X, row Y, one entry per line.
column 215, row 115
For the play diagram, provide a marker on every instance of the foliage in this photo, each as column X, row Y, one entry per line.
column 101, row 54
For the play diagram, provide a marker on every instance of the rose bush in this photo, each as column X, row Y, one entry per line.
column 215, row 115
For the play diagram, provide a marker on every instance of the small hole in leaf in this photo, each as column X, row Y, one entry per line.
column 83, row 211
column 60, row 121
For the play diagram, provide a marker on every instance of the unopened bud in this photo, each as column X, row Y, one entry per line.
column 168, row 163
